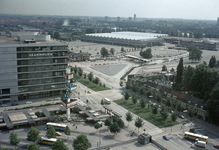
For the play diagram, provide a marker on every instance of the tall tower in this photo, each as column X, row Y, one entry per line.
column 134, row 17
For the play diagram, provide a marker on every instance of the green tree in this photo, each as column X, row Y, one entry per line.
column 90, row 30
column 114, row 127
column 75, row 69
column 158, row 97
column 164, row 115
column 217, row 64
column 126, row 96
column 104, row 52
column 142, row 90
column 129, row 117
column 51, row 132
column 102, row 102
column 139, row 123
column 186, row 78
column 121, row 83
column 112, row 50
column 164, row 68
column 195, row 54
column 33, row 134
column 191, row 112
column 173, row 117
column 134, row 98
column 50, row 33
column 120, row 123
column 179, row 72
column 122, row 49
column 172, row 70
column 149, row 93
column 81, row 142
column 168, row 102
column 135, row 87
column 59, row 145
column 90, row 76
column 80, row 71
column 57, row 35
column 96, row 80
column 179, row 107
column 97, row 126
column 142, row 102
column 85, row 75
column 146, row 54
column 33, row 146
column 155, row 110
column 14, row 140
column 128, row 85
column 67, row 131
column 107, row 122
column 212, row 62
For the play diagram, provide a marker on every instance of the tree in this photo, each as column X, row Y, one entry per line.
column 168, row 102
column 107, row 122
column 129, row 117
column 139, row 123
column 128, row 85
column 112, row 50
column 146, row 54
column 33, row 134
column 80, row 71
column 114, row 127
column 50, row 33
column 59, row 145
column 179, row 107
column 90, row 76
column 164, row 115
column 148, row 93
column 186, row 78
column 67, row 131
column 121, row 83
column 142, row 90
column 33, row 146
column 142, row 102
column 126, row 96
column 155, row 110
column 164, row 68
column 14, row 140
column 102, row 102
column 158, row 97
column 96, row 80
column 172, row 70
column 173, row 117
column 104, row 52
column 122, row 49
column 97, row 126
column 51, row 132
column 191, row 112
column 90, row 30
column 212, row 62
column 120, row 123
column 85, row 75
column 75, row 69
column 134, row 99
column 56, row 35
column 185, row 34
column 217, row 64
column 81, row 142
column 195, row 54
column 135, row 87
column 179, row 72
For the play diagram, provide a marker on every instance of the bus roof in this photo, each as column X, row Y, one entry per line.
column 47, row 139
column 56, row 124
column 197, row 135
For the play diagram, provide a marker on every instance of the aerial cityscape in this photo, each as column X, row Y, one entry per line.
column 109, row 75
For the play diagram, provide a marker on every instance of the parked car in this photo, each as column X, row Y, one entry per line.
column 13, row 104
column 166, row 138
column 185, row 111
column 49, row 99
column 171, row 111
column 28, row 102
column 181, row 116
column 89, row 92
column 3, row 105
column 216, row 146
column 58, row 133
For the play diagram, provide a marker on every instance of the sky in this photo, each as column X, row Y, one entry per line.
column 179, row 9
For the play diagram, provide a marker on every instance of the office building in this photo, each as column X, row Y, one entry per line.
column 31, row 71
column 130, row 19
column 118, row 18
column 134, row 17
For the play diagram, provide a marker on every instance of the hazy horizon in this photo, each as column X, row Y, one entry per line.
column 169, row 9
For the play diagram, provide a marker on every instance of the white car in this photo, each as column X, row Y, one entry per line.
column 28, row 102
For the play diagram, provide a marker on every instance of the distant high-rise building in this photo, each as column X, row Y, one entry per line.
column 106, row 18
column 218, row 21
column 118, row 18
column 130, row 18
column 88, row 21
column 134, row 17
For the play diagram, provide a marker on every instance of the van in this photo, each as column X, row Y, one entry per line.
column 200, row 143
column 106, row 100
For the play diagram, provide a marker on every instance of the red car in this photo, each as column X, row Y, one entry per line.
column 216, row 146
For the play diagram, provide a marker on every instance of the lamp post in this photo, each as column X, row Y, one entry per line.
column 53, row 86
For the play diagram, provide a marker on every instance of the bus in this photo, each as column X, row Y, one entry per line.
column 45, row 140
column 108, row 101
column 196, row 137
column 56, row 126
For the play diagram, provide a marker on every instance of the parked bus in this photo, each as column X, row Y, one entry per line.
column 196, row 137
column 45, row 140
column 56, row 126
column 107, row 100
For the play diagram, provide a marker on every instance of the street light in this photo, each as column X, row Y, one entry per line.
column 53, row 86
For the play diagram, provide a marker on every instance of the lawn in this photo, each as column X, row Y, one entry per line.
column 89, row 84
column 146, row 113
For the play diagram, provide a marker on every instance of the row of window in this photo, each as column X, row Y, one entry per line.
column 46, row 54
column 41, row 61
column 42, row 48
column 40, row 88
column 38, row 95
column 40, row 81
column 39, row 75
column 4, row 91
column 41, row 68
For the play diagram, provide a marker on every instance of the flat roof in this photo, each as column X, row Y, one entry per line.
column 129, row 35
